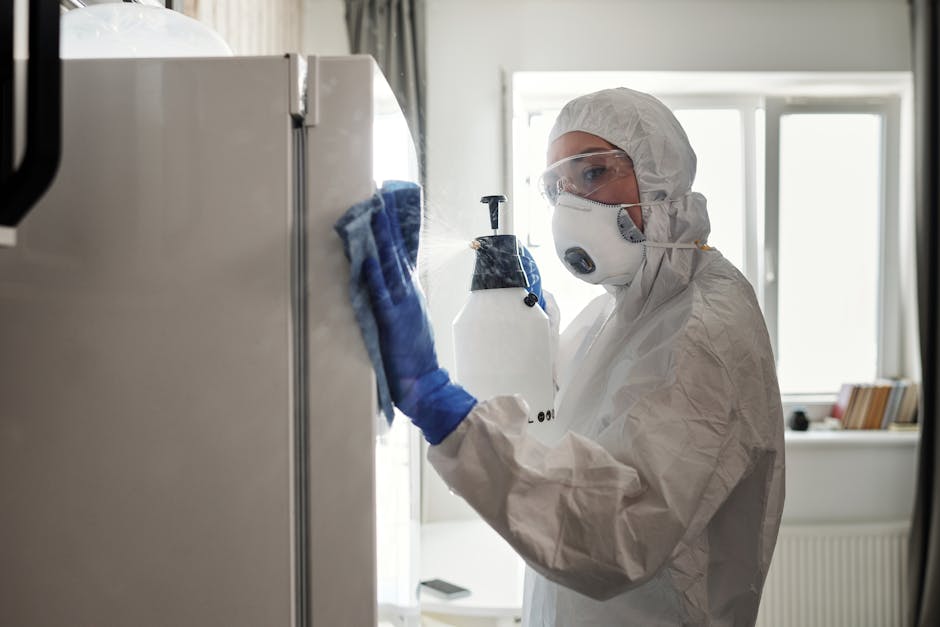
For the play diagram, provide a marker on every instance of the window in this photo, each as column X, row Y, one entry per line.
column 802, row 189
column 829, row 215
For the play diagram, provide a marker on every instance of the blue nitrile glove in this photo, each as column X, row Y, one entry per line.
column 419, row 386
column 533, row 275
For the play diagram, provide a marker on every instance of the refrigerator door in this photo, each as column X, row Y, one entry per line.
column 398, row 449
column 355, row 134
column 147, row 414
column 337, row 158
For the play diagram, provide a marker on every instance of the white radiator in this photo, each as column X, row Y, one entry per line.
column 834, row 576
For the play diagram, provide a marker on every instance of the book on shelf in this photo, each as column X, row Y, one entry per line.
column 859, row 409
column 879, row 401
column 877, row 405
column 907, row 412
column 855, row 393
column 893, row 405
column 842, row 401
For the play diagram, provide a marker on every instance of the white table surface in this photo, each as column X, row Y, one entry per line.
column 472, row 555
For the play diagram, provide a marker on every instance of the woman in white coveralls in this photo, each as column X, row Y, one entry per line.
column 657, row 498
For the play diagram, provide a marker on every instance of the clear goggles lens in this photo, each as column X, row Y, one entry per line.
column 584, row 174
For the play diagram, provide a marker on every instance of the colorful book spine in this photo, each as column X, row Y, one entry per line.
column 877, row 405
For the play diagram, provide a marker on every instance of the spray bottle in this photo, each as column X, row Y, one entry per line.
column 502, row 338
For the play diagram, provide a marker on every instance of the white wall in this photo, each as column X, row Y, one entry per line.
column 472, row 45
column 324, row 27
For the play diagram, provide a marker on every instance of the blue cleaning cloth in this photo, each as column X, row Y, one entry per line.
column 401, row 201
column 403, row 204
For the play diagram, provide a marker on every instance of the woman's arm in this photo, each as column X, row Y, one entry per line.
column 601, row 519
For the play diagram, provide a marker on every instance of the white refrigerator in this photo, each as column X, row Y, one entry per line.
column 188, row 429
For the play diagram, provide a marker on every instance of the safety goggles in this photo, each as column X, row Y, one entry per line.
column 583, row 174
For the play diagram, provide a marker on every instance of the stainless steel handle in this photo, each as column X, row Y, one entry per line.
column 21, row 187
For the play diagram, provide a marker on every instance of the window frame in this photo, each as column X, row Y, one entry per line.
column 888, row 314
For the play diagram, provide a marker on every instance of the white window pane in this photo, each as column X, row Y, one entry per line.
column 537, row 215
column 830, row 191
column 716, row 137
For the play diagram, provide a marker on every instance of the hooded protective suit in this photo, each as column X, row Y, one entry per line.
column 655, row 496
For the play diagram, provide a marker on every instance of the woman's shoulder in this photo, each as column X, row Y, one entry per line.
column 722, row 287
column 724, row 303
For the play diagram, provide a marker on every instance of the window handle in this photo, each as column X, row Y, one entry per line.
column 770, row 266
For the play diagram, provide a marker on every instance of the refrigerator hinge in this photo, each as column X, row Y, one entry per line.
column 297, row 98
column 7, row 237
column 313, row 82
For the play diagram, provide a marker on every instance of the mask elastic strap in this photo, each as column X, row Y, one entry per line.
column 656, row 203
column 696, row 244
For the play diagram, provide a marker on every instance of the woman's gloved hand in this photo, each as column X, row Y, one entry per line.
column 419, row 386
column 533, row 275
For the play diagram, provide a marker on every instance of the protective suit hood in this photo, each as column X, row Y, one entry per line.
column 664, row 164
column 645, row 129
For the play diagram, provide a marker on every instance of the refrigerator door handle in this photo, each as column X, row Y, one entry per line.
column 21, row 187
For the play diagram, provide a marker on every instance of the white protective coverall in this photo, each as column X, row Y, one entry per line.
column 656, row 498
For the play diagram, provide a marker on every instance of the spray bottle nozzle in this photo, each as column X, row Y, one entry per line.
column 498, row 264
column 493, row 202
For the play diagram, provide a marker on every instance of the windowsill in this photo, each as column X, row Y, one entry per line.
column 850, row 438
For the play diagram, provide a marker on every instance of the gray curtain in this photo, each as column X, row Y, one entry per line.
column 924, row 555
column 392, row 31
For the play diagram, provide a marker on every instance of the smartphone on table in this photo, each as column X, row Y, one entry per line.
column 444, row 589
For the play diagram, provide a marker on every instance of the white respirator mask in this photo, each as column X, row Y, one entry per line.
column 598, row 243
